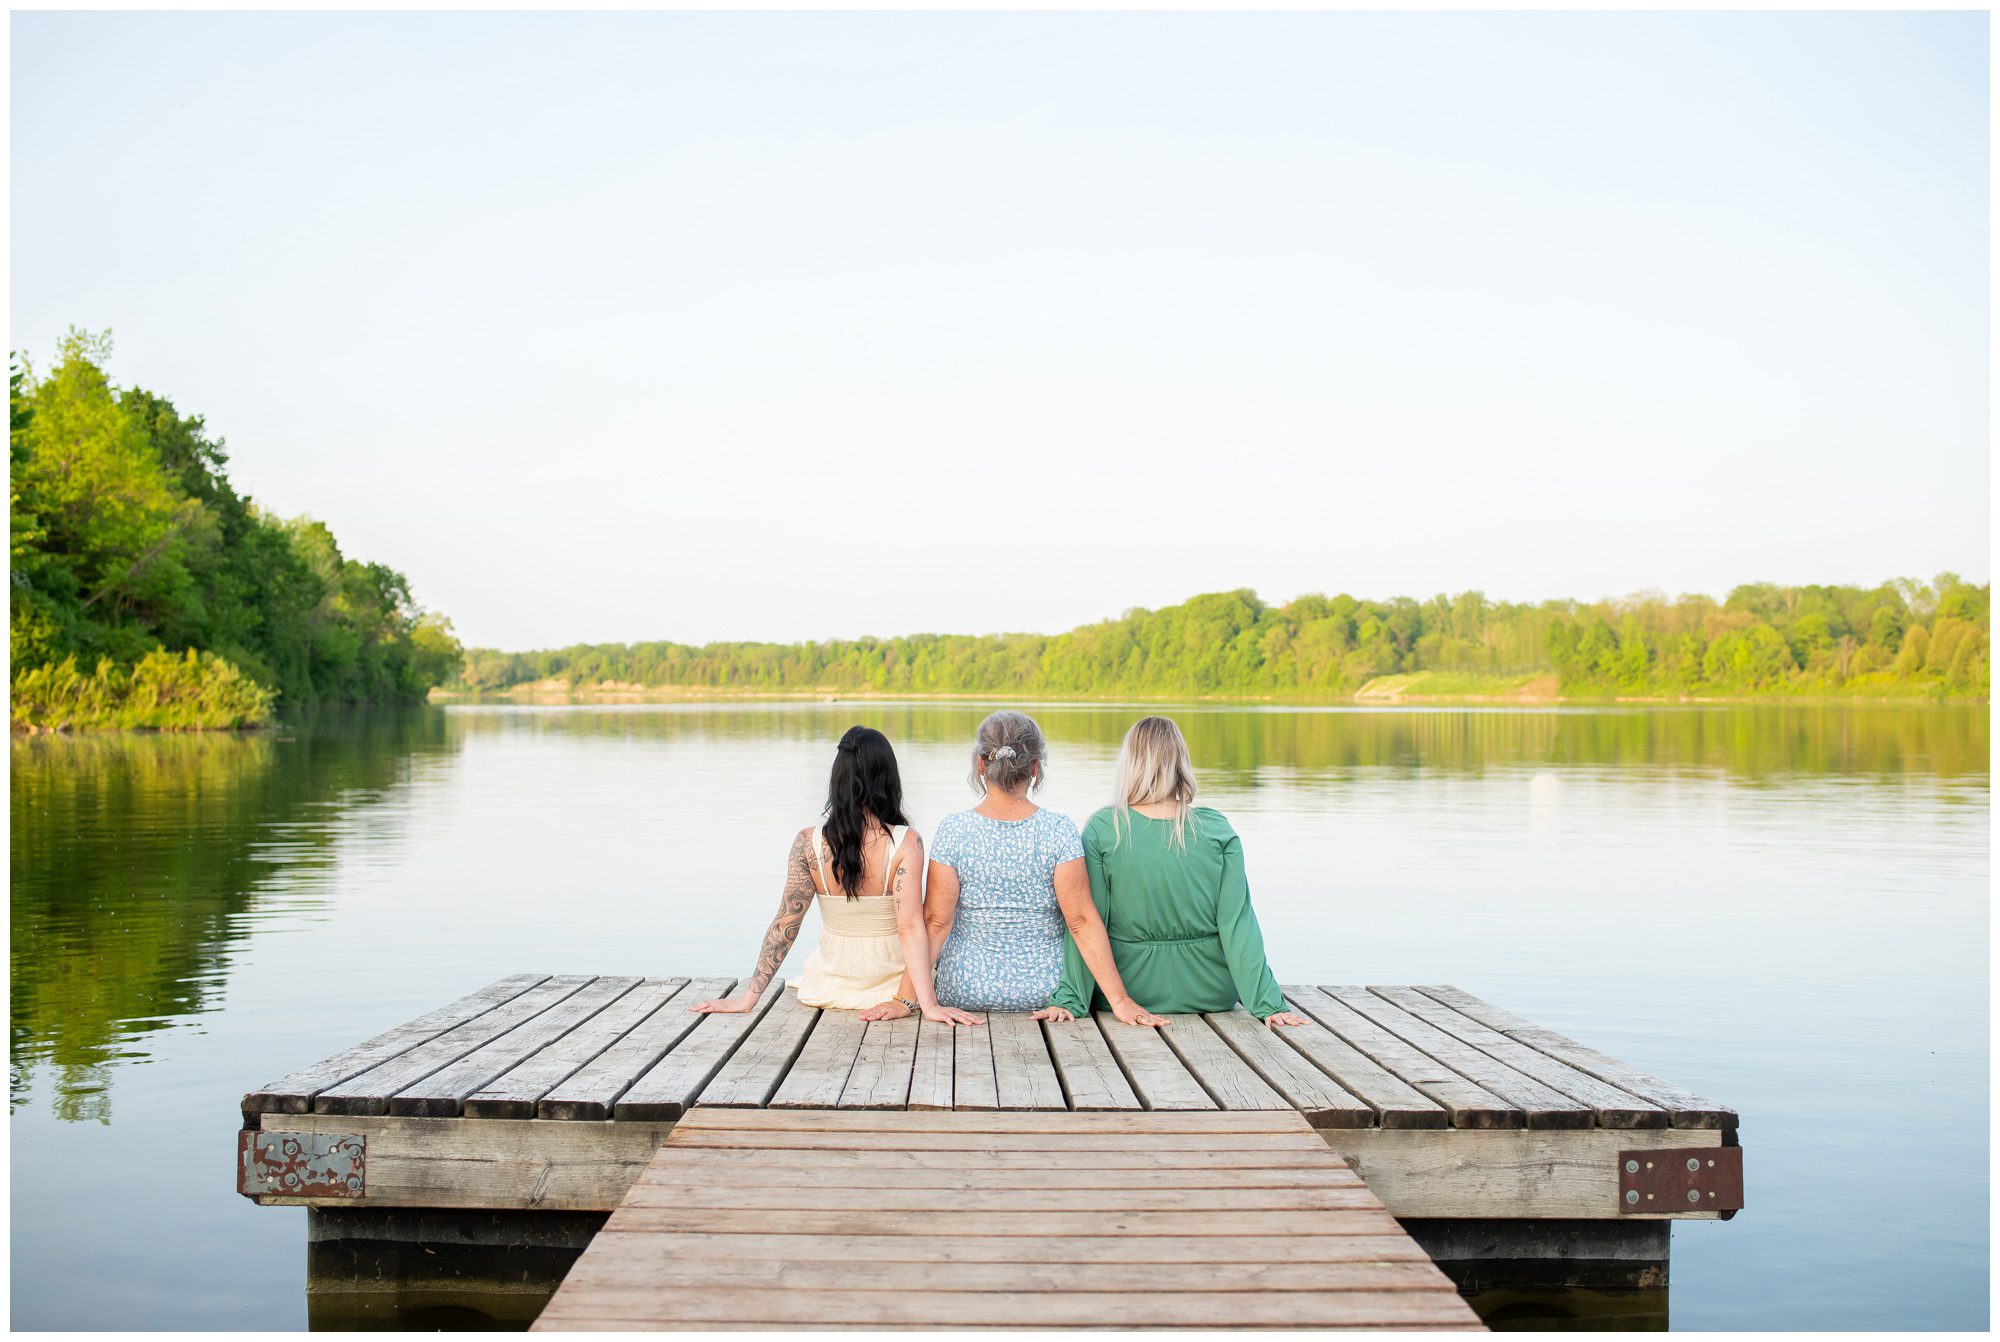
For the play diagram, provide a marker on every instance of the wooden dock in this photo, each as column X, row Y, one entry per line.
column 901, row 1218
column 553, row 1093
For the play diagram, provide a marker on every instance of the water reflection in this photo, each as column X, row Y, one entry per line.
column 138, row 861
column 1746, row 742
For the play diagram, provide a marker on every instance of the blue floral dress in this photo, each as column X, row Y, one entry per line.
column 1005, row 951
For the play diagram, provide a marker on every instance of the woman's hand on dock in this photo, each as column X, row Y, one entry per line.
column 1053, row 1013
column 1130, row 1012
column 945, row 1015
column 1277, row 1018
column 740, row 1002
column 889, row 1010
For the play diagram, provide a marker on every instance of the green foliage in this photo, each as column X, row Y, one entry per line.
column 127, row 537
column 163, row 691
column 1763, row 640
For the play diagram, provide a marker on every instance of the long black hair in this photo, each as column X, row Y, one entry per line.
column 865, row 782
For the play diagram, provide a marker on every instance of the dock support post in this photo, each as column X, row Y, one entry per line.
column 407, row 1268
column 1554, row 1273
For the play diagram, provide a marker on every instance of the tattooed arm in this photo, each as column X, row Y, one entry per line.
column 784, row 929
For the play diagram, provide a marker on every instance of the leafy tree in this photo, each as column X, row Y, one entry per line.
column 127, row 537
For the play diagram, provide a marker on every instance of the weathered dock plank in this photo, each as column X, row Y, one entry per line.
column 294, row 1094
column 490, row 1164
column 1113, row 1202
column 884, row 1065
column 1540, row 1106
column 1396, row 1103
column 589, row 1093
column 1050, row 1309
column 443, row 1092
column 902, row 1275
column 1110, row 1249
column 931, row 1072
column 1323, row 1101
column 1276, row 1123
column 1089, row 1074
column 1159, row 1077
column 746, row 1169
column 1217, row 1067
column 1686, row 1108
column 820, row 1071
column 975, row 1080
column 667, row 1089
column 1614, row 1108
column 1470, row 1105
column 688, row 1247
column 369, row 1091
column 1024, row 1075
column 518, row 1091
column 1059, row 1140
column 1507, row 1173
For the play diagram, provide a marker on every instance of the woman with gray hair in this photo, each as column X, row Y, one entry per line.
column 1006, row 878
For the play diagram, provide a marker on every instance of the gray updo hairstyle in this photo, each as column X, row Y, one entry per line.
column 1012, row 745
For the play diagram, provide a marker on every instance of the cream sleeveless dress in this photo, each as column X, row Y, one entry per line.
column 859, row 960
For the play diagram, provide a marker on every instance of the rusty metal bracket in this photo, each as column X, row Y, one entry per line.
column 1680, row 1179
column 301, row 1164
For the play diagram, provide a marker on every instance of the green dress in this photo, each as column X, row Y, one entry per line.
column 1180, row 922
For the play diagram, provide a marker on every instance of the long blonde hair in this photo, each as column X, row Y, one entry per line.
column 1153, row 766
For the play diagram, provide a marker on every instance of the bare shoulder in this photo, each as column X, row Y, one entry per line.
column 802, row 842
column 912, row 847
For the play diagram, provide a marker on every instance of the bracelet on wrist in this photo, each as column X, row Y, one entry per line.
column 907, row 1003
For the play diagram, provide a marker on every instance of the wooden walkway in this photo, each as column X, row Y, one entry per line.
column 553, row 1092
column 795, row 1217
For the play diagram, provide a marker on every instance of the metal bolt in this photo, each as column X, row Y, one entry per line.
column 1631, row 1167
column 1694, row 1195
column 1711, row 1164
column 1693, row 1164
column 1632, row 1195
column 1649, row 1164
column 1649, row 1197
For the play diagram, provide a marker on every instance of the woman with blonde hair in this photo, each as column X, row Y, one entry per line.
column 1006, row 881
column 1167, row 878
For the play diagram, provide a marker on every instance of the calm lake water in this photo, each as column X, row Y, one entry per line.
column 1782, row 907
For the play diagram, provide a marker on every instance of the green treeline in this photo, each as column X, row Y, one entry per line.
column 146, row 592
column 1900, row 639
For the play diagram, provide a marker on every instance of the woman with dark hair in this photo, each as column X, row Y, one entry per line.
column 871, row 895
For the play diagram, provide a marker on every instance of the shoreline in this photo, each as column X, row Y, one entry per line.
column 675, row 694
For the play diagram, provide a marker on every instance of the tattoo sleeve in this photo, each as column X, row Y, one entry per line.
column 792, row 906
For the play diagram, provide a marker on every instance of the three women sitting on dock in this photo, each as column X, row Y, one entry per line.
column 1006, row 878
column 1016, row 902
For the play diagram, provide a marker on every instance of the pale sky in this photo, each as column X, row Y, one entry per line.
column 629, row 326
